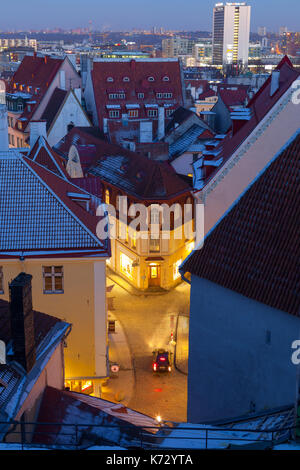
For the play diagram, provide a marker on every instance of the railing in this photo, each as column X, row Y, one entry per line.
column 81, row 436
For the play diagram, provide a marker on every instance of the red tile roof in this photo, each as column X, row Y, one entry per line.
column 207, row 94
column 140, row 176
column 138, row 72
column 233, row 97
column 255, row 250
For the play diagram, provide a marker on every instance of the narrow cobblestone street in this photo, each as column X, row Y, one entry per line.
column 147, row 322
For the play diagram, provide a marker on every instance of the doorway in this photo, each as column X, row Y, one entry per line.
column 154, row 275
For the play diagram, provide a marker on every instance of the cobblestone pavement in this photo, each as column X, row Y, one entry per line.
column 147, row 322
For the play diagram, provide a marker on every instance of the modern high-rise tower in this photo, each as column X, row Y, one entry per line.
column 231, row 32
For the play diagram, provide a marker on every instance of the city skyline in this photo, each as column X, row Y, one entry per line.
column 196, row 16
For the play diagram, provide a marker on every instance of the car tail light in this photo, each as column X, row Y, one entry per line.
column 154, row 366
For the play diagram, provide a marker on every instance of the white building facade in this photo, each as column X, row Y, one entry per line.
column 231, row 32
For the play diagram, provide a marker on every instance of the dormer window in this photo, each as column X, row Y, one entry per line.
column 126, row 79
column 166, row 79
column 110, row 79
column 151, row 79
column 83, row 200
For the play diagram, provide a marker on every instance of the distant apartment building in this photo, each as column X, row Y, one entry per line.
column 262, row 31
column 255, row 50
column 177, row 46
column 13, row 42
column 231, row 32
column 203, row 52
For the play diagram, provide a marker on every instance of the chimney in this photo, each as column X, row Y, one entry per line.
column 146, row 132
column 62, row 79
column 239, row 117
column 275, row 82
column 22, row 321
column 37, row 130
column 161, row 123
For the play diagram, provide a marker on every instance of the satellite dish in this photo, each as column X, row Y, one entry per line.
column 2, row 352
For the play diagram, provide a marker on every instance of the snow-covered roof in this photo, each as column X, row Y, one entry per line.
column 36, row 215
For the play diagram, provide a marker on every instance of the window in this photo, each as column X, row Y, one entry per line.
column 141, row 95
column 151, row 79
column 107, row 196
column 126, row 265
column 168, row 95
column 114, row 114
column 169, row 112
column 154, row 245
column 133, row 240
column 53, row 279
column 133, row 113
column 20, row 106
column 166, row 79
column 159, row 95
column 176, row 273
column 126, row 79
column 109, row 79
column 152, row 112
column 1, row 281
column 70, row 126
column 115, row 96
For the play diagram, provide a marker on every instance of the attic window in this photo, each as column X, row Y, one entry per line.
column 126, row 79
column 151, row 79
column 83, row 200
column 166, row 79
column 110, row 79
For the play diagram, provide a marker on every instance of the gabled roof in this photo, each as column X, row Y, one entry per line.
column 37, row 73
column 255, row 250
column 43, row 154
column 260, row 105
column 53, row 106
column 39, row 214
column 62, row 407
column 108, row 77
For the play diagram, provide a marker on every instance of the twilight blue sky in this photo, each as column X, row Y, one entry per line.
column 126, row 14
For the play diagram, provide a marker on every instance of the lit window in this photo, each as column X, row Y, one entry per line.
column 53, row 279
column 133, row 240
column 154, row 245
column 176, row 273
column 1, row 281
column 133, row 113
column 107, row 196
column 126, row 265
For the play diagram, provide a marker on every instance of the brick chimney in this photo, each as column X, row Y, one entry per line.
column 22, row 322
